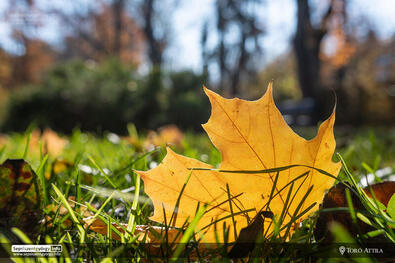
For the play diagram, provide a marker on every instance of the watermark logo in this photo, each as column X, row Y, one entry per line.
column 37, row 250
column 360, row 250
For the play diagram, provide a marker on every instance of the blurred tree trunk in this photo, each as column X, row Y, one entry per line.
column 240, row 65
column 234, row 59
column 221, row 25
column 155, row 44
column 307, row 44
column 118, row 7
column 205, row 54
column 307, row 47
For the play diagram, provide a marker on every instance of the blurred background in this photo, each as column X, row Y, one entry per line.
column 98, row 65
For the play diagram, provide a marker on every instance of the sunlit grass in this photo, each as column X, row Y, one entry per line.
column 98, row 177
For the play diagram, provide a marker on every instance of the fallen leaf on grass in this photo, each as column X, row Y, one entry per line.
column 250, row 135
column 52, row 143
column 19, row 197
column 60, row 210
column 151, row 234
column 336, row 198
column 61, row 165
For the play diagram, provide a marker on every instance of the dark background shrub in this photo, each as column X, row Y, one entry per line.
column 106, row 97
column 188, row 106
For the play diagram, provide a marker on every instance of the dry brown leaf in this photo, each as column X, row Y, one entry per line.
column 62, row 210
column 336, row 197
column 151, row 234
column 20, row 200
column 250, row 135
column 51, row 142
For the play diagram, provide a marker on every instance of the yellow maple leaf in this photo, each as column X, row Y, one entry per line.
column 250, row 135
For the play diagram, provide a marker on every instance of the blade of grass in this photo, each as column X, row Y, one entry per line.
column 131, row 222
column 272, row 190
column 286, row 206
column 284, row 211
column 102, row 206
column 70, row 240
column 41, row 174
column 71, row 212
column 77, row 186
column 223, row 202
column 231, row 210
column 113, row 254
column 173, row 217
column 300, row 205
column 381, row 219
column 27, row 145
column 265, row 171
column 106, row 192
column 6, row 244
column 48, row 240
column 104, row 218
column 373, row 233
column 40, row 146
column 102, row 172
column 166, row 230
column 351, row 207
column 271, row 198
column 22, row 236
column 25, row 239
column 226, row 217
column 290, row 182
column 140, row 157
column 283, row 188
column 63, row 238
column 66, row 253
column 109, row 234
column 293, row 220
column 189, row 232
column 2, row 150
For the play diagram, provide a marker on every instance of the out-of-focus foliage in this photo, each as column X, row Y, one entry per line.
column 365, row 85
column 188, row 106
column 360, row 75
column 76, row 94
column 104, row 36
column 29, row 67
column 107, row 96
column 5, row 68
column 3, row 102
column 283, row 72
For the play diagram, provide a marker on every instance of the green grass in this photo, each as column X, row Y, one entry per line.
column 97, row 172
